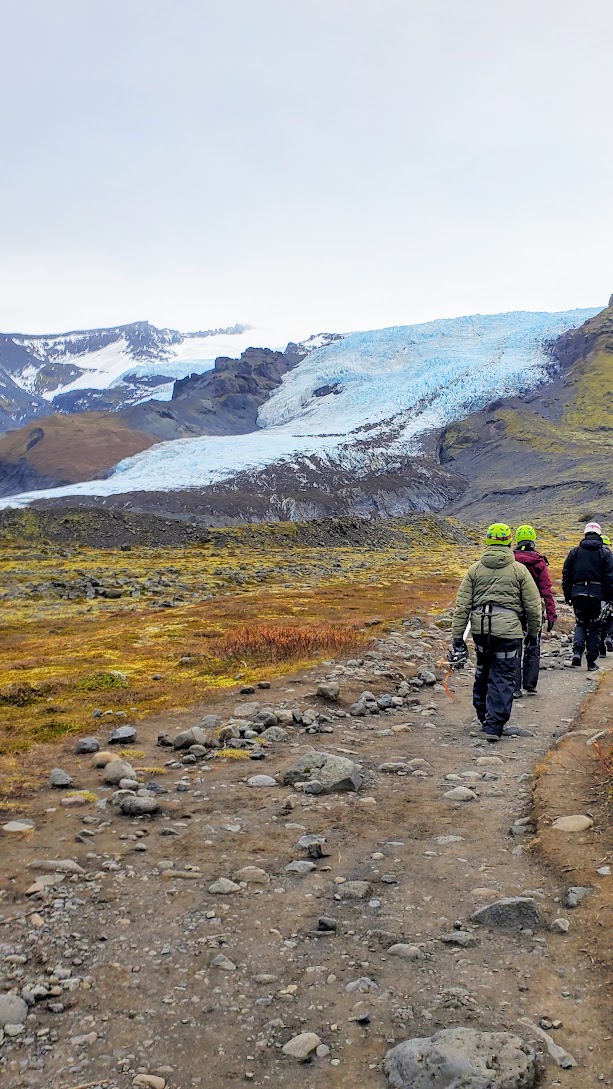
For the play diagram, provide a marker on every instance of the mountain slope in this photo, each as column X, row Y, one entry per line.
column 552, row 449
column 364, row 407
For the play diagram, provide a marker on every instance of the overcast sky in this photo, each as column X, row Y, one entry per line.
column 303, row 165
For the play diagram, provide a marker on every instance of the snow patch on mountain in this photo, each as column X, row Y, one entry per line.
column 360, row 402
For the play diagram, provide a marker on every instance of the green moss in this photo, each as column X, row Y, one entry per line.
column 97, row 682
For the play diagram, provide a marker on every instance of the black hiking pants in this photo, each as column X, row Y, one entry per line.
column 527, row 666
column 606, row 634
column 587, row 629
column 495, row 681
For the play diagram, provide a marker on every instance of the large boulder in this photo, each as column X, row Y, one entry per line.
column 460, row 1058
column 335, row 773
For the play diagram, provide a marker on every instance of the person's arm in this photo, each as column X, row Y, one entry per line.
column 546, row 591
column 463, row 606
column 567, row 576
column 607, row 579
column 531, row 601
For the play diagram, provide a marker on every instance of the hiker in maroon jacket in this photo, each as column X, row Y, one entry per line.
column 526, row 553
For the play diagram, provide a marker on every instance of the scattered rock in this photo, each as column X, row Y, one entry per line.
column 354, row 890
column 462, row 938
column 274, row 734
column 511, row 911
column 13, row 1010
column 56, row 865
column 560, row 926
column 327, row 924
column 557, row 1053
column 135, row 805
column 149, row 1081
column 462, row 1057
column 261, row 781
column 301, row 866
column 427, row 676
column 253, row 875
column 575, row 823
column 15, row 828
column 407, row 952
column 246, row 710
column 116, row 770
column 101, row 759
column 223, row 962
column 301, row 1046
column 395, row 767
column 87, row 745
column 335, row 773
column 59, row 778
column 576, row 894
column 460, row 794
column 186, row 738
column 328, row 691
column 223, row 887
column 123, row 735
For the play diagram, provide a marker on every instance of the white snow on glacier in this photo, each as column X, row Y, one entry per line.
column 387, row 387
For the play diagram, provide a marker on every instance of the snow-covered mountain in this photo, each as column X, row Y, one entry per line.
column 357, row 403
column 113, row 368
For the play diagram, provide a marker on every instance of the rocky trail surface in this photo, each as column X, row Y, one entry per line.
column 305, row 878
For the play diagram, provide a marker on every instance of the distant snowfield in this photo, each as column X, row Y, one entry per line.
column 106, row 367
column 378, row 392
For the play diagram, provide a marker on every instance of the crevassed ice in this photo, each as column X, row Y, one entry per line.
column 397, row 383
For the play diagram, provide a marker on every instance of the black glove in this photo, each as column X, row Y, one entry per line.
column 531, row 640
column 458, row 653
column 550, row 623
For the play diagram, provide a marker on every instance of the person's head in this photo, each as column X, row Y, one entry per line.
column 499, row 533
column 525, row 536
column 592, row 528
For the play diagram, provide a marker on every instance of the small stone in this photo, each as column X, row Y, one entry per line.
column 489, row 761
column 123, row 735
column 252, row 875
column 363, row 985
column 460, row 938
column 59, row 778
column 407, row 952
column 246, row 710
column 223, row 962
column 186, row 738
column 134, row 805
column 15, row 828
column 223, row 887
column 575, row 895
column 322, row 1051
column 261, row 781
column 395, row 767
column 56, row 865
column 313, row 787
column 328, row 691
column 101, row 759
column 354, row 890
column 427, row 676
column 274, row 734
column 560, row 926
column 327, row 924
column 460, row 794
column 301, row 1046
column 87, row 745
column 510, row 911
column 116, row 770
column 575, row 823
column 13, row 1010
column 301, row 866
column 149, row 1081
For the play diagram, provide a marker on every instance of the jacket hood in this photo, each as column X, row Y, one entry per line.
column 591, row 542
column 529, row 556
column 497, row 556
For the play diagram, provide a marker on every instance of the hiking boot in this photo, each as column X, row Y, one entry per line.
column 576, row 660
column 592, row 667
column 531, row 691
column 517, row 695
column 603, row 654
column 493, row 738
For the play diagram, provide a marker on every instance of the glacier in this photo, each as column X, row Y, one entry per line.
column 358, row 402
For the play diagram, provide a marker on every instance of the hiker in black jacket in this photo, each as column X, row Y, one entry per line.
column 587, row 582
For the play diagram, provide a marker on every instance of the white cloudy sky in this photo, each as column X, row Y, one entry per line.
column 302, row 164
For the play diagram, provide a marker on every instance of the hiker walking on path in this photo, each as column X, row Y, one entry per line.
column 587, row 582
column 495, row 593
column 606, row 618
column 529, row 657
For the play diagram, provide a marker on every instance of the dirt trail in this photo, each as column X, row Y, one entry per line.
column 138, row 946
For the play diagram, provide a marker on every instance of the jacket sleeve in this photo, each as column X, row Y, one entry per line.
column 568, row 572
column 543, row 581
column 607, row 575
column 531, row 601
column 463, row 606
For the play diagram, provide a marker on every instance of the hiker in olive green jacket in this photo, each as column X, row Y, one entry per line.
column 495, row 594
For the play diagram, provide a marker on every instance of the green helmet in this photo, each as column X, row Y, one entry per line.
column 525, row 533
column 606, row 541
column 499, row 534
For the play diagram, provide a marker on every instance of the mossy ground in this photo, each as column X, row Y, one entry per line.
column 62, row 659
